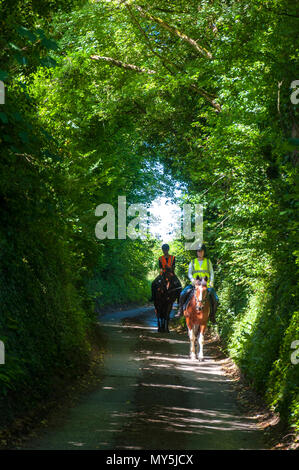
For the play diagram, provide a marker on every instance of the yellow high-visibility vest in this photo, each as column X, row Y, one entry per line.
column 202, row 270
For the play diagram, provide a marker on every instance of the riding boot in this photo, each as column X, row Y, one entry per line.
column 180, row 308
column 213, row 307
column 182, row 301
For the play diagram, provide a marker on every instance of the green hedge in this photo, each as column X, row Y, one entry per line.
column 42, row 322
column 258, row 328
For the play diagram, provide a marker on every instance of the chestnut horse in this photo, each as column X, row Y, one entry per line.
column 164, row 298
column 197, row 315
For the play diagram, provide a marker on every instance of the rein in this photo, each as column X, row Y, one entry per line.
column 167, row 292
column 175, row 288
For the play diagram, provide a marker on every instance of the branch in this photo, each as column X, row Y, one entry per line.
column 282, row 13
column 163, row 59
column 121, row 64
column 201, row 91
column 202, row 50
column 208, row 97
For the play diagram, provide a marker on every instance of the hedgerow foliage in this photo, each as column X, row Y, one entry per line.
column 101, row 93
column 53, row 270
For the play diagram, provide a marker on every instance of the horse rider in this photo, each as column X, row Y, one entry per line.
column 166, row 263
column 201, row 266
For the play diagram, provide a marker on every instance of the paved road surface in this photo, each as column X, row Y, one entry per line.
column 153, row 397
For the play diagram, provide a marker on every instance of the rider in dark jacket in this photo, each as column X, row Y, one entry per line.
column 166, row 262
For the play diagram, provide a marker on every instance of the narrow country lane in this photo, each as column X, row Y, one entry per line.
column 153, row 397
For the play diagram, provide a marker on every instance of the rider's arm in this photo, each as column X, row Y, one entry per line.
column 211, row 274
column 160, row 267
column 190, row 275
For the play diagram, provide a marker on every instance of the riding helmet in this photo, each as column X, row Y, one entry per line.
column 201, row 246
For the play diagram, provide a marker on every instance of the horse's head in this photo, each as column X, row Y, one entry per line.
column 166, row 281
column 201, row 292
column 167, row 276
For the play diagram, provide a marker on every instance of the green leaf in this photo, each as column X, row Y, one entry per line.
column 3, row 117
column 20, row 58
column 3, row 75
column 25, row 32
column 49, row 44
column 24, row 137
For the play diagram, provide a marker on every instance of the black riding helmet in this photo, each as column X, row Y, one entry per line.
column 202, row 246
column 165, row 247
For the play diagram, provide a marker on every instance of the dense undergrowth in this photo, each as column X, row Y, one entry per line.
column 109, row 99
column 53, row 270
column 258, row 336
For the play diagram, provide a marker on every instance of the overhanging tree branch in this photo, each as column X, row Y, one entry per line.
column 135, row 68
column 119, row 63
column 209, row 97
column 163, row 59
column 202, row 50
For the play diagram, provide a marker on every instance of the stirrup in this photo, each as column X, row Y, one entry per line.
column 180, row 312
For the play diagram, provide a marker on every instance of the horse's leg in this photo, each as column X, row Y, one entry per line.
column 201, row 341
column 162, row 323
column 200, row 346
column 190, row 338
column 196, row 338
column 159, row 324
column 167, row 318
column 197, row 345
column 192, row 343
column 163, row 318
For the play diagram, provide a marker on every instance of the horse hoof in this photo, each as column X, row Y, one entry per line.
column 193, row 357
column 201, row 359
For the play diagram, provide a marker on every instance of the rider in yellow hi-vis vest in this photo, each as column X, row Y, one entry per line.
column 201, row 266
column 202, row 269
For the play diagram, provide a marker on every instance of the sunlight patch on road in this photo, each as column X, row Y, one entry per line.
column 171, row 386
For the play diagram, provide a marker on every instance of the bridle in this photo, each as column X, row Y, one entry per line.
column 165, row 284
column 203, row 301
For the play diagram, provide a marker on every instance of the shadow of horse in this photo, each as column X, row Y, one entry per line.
column 165, row 295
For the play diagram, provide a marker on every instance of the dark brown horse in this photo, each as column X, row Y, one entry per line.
column 197, row 315
column 165, row 296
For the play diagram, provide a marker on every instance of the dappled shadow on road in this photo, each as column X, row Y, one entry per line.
column 182, row 404
column 154, row 397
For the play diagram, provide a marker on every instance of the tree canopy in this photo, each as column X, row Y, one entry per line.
column 109, row 98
